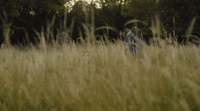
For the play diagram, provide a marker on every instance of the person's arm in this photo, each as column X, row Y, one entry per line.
column 144, row 40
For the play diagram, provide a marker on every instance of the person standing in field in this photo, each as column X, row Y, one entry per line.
column 135, row 41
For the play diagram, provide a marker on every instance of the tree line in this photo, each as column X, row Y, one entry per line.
column 25, row 18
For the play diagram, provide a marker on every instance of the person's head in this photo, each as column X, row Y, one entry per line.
column 133, row 29
column 139, row 33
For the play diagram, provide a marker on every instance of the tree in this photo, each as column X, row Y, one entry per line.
column 144, row 11
column 29, row 14
column 111, row 13
column 176, row 16
column 79, row 13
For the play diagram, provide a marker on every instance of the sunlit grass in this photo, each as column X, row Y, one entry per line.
column 100, row 78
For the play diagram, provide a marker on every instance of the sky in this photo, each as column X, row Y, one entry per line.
column 70, row 4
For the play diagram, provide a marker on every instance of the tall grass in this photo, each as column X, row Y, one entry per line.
column 82, row 77
column 100, row 78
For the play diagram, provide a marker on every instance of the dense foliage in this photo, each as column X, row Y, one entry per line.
column 26, row 15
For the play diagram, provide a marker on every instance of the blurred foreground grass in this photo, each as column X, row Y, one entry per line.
column 100, row 78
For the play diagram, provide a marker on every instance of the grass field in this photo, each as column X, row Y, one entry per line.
column 100, row 78
column 103, row 77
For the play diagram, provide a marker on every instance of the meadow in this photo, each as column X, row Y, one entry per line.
column 101, row 77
